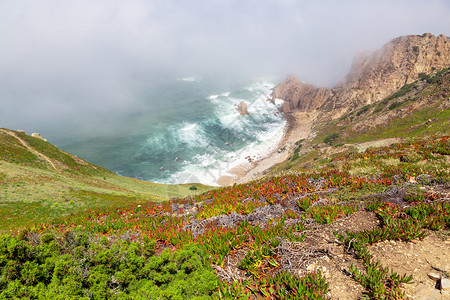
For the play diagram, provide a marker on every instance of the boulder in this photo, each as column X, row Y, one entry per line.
column 242, row 108
column 38, row 135
column 445, row 284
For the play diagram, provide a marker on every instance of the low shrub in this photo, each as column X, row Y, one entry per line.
column 331, row 138
column 395, row 105
column 410, row 157
column 363, row 110
column 73, row 266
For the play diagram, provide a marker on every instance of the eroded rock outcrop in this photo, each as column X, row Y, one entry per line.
column 38, row 135
column 372, row 77
column 299, row 95
column 242, row 108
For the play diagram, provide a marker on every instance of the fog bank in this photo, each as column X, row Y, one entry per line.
column 89, row 64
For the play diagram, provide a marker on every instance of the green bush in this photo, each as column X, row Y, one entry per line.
column 439, row 75
column 425, row 77
column 363, row 110
column 434, row 78
column 72, row 266
column 331, row 138
column 401, row 92
column 297, row 150
column 395, row 105
column 410, row 157
column 443, row 147
column 378, row 108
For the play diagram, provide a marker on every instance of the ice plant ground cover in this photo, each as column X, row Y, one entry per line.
column 231, row 242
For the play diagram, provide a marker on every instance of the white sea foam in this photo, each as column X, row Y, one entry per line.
column 190, row 78
column 189, row 126
column 207, row 169
column 217, row 97
column 263, row 123
column 205, row 160
column 279, row 101
column 258, row 107
column 191, row 134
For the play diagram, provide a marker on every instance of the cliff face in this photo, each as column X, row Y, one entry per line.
column 298, row 95
column 373, row 76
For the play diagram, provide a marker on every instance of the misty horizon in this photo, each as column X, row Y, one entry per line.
column 89, row 64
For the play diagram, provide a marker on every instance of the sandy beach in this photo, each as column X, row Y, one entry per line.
column 298, row 127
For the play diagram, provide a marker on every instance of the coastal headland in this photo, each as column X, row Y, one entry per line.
column 372, row 78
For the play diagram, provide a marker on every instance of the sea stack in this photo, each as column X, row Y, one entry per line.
column 242, row 108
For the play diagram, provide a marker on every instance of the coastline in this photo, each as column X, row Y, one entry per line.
column 298, row 126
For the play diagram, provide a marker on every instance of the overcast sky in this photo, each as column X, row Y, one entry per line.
column 60, row 59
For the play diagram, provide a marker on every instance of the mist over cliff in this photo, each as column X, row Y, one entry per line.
column 372, row 77
column 87, row 66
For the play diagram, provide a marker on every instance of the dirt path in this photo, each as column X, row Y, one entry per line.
column 378, row 143
column 418, row 258
column 26, row 145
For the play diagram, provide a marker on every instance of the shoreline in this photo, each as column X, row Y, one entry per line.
column 298, row 126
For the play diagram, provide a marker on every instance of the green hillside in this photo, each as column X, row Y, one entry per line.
column 420, row 109
column 40, row 182
column 309, row 229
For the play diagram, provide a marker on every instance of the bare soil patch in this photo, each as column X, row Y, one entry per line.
column 379, row 143
column 418, row 258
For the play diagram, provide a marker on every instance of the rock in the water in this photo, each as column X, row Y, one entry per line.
column 242, row 108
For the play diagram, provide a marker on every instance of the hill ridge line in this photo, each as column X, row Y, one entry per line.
column 26, row 145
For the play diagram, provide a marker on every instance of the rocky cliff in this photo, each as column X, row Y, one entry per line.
column 372, row 77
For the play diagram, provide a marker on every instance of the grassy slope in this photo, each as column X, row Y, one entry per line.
column 33, row 190
column 294, row 199
column 421, row 110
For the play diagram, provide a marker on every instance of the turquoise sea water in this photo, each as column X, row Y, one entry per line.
column 189, row 131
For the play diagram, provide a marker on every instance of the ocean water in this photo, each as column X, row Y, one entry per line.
column 188, row 130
